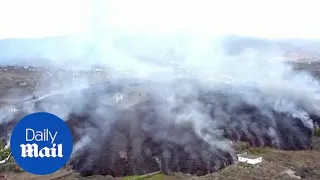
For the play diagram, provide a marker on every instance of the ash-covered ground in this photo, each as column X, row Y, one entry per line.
column 125, row 126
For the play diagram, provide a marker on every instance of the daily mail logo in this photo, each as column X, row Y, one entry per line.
column 41, row 143
column 32, row 150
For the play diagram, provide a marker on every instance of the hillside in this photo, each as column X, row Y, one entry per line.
column 42, row 51
column 304, row 163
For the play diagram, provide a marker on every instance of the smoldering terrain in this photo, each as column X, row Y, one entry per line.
column 183, row 117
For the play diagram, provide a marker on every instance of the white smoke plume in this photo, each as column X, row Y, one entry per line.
column 186, row 94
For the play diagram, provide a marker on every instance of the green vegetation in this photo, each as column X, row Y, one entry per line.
column 4, row 153
column 243, row 171
column 304, row 163
column 152, row 176
column 316, row 132
column 8, row 166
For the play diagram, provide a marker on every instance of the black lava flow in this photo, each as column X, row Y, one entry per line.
column 142, row 138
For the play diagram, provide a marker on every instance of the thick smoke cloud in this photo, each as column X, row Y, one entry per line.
column 174, row 103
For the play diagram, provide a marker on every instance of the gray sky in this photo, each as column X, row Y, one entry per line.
column 262, row 18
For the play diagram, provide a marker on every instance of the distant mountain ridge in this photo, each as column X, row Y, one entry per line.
column 294, row 49
column 39, row 51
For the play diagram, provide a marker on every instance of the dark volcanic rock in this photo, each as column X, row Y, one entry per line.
column 144, row 134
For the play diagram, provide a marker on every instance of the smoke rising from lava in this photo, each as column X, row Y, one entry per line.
column 175, row 103
column 179, row 113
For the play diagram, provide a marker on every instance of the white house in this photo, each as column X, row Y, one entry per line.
column 250, row 159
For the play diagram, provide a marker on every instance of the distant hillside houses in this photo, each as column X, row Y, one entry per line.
column 294, row 56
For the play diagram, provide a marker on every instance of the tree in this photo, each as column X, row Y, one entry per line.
column 4, row 152
column 316, row 132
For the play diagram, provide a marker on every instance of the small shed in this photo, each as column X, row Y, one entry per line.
column 250, row 159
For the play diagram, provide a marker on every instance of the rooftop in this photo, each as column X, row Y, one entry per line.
column 249, row 156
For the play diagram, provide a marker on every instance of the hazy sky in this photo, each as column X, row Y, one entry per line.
column 263, row 18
